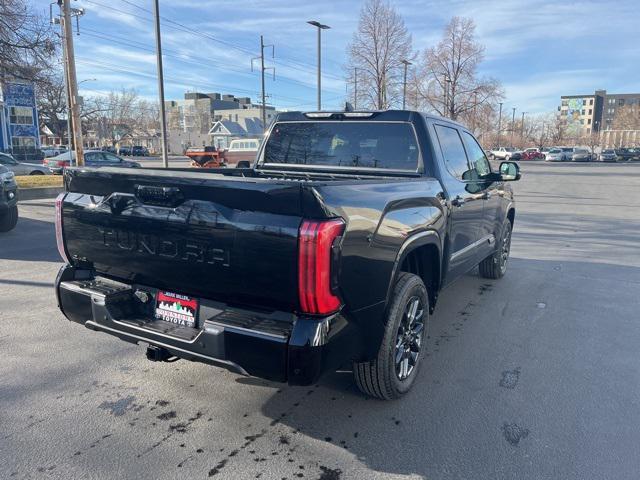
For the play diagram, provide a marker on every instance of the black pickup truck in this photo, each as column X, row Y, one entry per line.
column 330, row 251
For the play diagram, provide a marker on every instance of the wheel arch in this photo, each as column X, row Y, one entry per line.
column 421, row 254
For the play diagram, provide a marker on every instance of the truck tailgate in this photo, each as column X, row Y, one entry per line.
column 206, row 235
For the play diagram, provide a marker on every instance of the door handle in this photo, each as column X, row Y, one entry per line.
column 458, row 201
column 486, row 195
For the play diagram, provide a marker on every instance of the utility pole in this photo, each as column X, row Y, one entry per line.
column 66, row 90
column 355, row 88
column 320, row 27
column 73, row 106
column 513, row 124
column 475, row 104
column 499, row 124
column 522, row 129
column 262, row 70
column 406, row 63
column 163, row 120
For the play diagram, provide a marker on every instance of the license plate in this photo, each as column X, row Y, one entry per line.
column 177, row 309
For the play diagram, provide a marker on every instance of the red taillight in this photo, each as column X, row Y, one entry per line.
column 59, row 239
column 316, row 242
column 62, row 163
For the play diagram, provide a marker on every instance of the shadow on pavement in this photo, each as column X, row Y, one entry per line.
column 32, row 240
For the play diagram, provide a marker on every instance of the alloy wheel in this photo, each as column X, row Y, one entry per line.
column 409, row 338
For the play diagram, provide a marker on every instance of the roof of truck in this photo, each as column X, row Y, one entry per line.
column 388, row 115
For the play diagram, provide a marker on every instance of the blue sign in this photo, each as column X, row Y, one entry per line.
column 23, row 130
column 19, row 95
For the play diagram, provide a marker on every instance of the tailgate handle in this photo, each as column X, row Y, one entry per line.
column 162, row 196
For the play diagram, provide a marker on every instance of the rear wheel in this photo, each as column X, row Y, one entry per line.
column 392, row 373
column 9, row 219
column 495, row 265
column 36, row 172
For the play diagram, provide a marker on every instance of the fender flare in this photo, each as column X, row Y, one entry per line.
column 428, row 237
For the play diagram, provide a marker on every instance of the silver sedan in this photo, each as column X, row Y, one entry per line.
column 19, row 168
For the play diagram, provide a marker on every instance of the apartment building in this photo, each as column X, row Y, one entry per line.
column 593, row 112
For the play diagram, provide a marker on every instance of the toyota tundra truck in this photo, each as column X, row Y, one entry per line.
column 329, row 252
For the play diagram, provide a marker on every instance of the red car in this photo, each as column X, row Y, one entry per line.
column 532, row 154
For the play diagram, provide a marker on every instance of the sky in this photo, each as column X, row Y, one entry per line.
column 538, row 49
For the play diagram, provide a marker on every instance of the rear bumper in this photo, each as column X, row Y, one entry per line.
column 278, row 346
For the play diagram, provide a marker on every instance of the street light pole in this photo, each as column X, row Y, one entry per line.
column 355, row 88
column 499, row 124
column 406, row 63
column 320, row 27
column 522, row 129
column 513, row 124
column 163, row 121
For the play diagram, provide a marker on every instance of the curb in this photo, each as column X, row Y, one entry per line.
column 38, row 193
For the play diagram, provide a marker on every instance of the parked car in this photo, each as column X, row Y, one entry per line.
column 517, row 155
column 92, row 158
column 330, row 251
column 241, row 151
column 503, row 153
column 532, row 154
column 626, row 154
column 544, row 151
column 139, row 151
column 125, row 150
column 607, row 155
column 555, row 155
column 53, row 151
column 110, row 149
column 19, row 168
column 581, row 155
column 8, row 200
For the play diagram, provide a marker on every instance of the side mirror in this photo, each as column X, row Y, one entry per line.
column 509, row 171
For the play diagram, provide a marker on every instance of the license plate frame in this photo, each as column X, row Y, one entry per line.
column 177, row 309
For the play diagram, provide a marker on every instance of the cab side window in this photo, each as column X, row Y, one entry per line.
column 453, row 151
column 477, row 158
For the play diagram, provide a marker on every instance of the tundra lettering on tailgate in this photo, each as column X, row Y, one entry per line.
column 146, row 244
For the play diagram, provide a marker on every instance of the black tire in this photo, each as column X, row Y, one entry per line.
column 495, row 265
column 9, row 219
column 386, row 377
column 36, row 172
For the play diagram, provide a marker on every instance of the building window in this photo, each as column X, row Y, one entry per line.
column 590, row 111
column 565, row 103
column 582, row 112
column 621, row 101
column 588, row 121
column 21, row 115
column 584, row 102
column 582, row 121
column 612, row 101
column 23, row 142
column 591, row 101
column 588, row 130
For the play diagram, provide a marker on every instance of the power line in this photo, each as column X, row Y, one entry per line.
column 180, row 57
column 181, row 27
column 172, row 80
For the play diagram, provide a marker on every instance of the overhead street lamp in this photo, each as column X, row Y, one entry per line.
column 406, row 63
column 320, row 27
column 499, row 124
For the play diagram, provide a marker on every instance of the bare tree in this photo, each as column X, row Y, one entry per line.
column 51, row 100
column 627, row 117
column 379, row 45
column 448, row 80
column 27, row 43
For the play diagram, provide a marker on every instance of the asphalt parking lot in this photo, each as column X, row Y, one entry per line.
column 535, row 376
